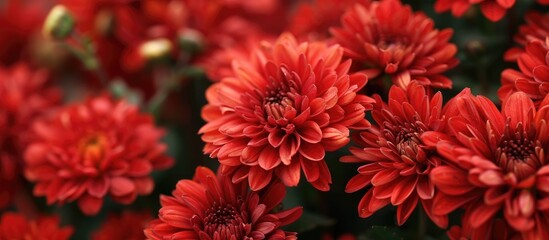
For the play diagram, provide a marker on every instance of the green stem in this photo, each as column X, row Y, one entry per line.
column 87, row 56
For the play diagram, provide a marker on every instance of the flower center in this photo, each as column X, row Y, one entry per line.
column 407, row 139
column 225, row 221
column 279, row 95
column 92, row 150
column 517, row 154
column 388, row 41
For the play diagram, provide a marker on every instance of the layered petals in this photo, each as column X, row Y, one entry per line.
column 387, row 38
column 397, row 164
column 284, row 107
column 210, row 206
column 25, row 96
column 16, row 226
column 495, row 165
column 532, row 78
column 95, row 149
column 494, row 10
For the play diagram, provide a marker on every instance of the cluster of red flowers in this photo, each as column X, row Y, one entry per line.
column 284, row 94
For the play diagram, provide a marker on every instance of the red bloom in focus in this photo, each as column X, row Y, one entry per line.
column 128, row 226
column 286, row 106
column 496, row 164
column 535, row 29
column 387, row 37
column 212, row 207
column 24, row 97
column 16, row 226
column 397, row 162
column 94, row 149
column 492, row 9
column 533, row 78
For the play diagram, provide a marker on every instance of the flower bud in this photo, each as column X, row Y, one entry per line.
column 59, row 24
column 191, row 41
column 155, row 49
column 105, row 22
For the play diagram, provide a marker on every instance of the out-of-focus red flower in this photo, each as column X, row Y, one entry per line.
column 127, row 225
column 213, row 207
column 24, row 97
column 312, row 20
column 287, row 104
column 218, row 64
column 16, row 226
column 20, row 20
column 535, row 29
column 544, row 2
column 496, row 163
column 533, row 77
column 387, row 37
column 94, row 149
column 397, row 162
column 493, row 9
column 495, row 229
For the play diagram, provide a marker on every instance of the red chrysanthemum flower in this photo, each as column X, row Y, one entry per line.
column 213, row 207
column 127, row 225
column 495, row 229
column 387, row 37
column 16, row 226
column 218, row 64
column 496, row 164
column 535, row 29
column 493, row 9
column 24, row 97
column 312, row 20
column 533, row 77
column 280, row 113
column 397, row 163
column 20, row 20
column 91, row 150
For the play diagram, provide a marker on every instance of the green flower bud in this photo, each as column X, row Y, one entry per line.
column 59, row 24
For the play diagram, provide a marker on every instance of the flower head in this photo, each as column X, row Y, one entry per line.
column 495, row 229
column 535, row 29
column 493, row 9
column 387, row 37
column 396, row 161
column 24, row 97
column 533, row 77
column 127, row 225
column 94, row 149
column 212, row 207
column 16, row 226
column 312, row 20
column 496, row 163
column 285, row 107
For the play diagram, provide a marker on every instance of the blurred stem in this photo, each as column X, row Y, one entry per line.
column 422, row 224
column 24, row 203
column 159, row 97
column 482, row 77
column 85, row 52
column 167, row 80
